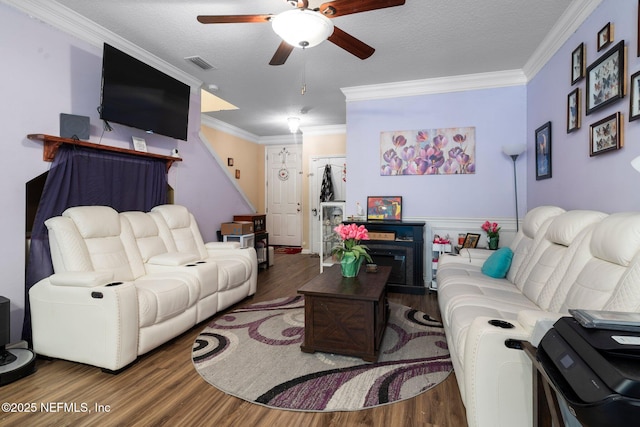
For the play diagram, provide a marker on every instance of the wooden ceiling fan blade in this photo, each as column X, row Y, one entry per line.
column 350, row 44
column 233, row 19
column 282, row 53
column 336, row 8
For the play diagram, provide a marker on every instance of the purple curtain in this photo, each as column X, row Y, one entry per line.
column 83, row 176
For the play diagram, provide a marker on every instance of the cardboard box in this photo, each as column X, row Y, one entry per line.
column 259, row 221
column 236, row 228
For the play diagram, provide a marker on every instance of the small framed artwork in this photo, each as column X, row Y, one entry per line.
column 471, row 240
column 634, row 97
column 543, row 152
column 606, row 135
column 229, row 161
column 237, row 173
column 605, row 36
column 605, row 79
column 384, row 208
column 573, row 110
column 577, row 64
column 139, row 144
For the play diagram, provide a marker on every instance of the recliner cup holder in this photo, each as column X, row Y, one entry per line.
column 114, row 284
column 501, row 324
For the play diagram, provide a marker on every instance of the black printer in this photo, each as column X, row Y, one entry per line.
column 596, row 371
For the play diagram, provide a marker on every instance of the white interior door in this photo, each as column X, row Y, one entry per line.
column 284, row 195
column 317, row 165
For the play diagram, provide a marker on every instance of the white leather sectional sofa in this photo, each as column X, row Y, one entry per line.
column 125, row 283
column 561, row 260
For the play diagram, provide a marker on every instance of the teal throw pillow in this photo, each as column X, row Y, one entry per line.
column 497, row 265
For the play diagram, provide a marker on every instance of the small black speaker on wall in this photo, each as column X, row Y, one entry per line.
column 74, row 127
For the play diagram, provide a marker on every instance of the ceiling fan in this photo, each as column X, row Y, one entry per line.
column 303, row 27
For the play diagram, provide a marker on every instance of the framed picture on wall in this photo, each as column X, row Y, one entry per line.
column 606, row 135
column 605, row 79
column 573, row 110
column 605, row 36
column 543, row 151
column 634, row 97
column 384, row 208
column 577, row 64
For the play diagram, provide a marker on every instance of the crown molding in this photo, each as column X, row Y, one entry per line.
column 567, row 25
column 572, row 18
column 436, row 85
column 324, row 130
column 78, row 26
column 206, row 120
column 281, row 139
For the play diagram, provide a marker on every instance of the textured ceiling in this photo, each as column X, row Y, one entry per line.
column 422, row 39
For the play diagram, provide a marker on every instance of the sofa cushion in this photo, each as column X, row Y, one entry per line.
column 232, row 272
column 498, row 263
column 94, row 221
column 617, row 238
column 161, row 299
column 536, row 217
column 147, row 235
column 566, row 227
column 176, row 216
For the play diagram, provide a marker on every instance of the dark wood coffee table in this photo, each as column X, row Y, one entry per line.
column 346, row 315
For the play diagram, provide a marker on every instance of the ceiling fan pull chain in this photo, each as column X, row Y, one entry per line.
column 303, row 90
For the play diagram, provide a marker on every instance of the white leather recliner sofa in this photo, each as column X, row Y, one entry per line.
column 561, row 260
column 124, row 284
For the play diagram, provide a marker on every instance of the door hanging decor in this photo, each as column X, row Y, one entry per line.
column 283, row 173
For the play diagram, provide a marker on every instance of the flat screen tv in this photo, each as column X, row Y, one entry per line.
column 138, row 95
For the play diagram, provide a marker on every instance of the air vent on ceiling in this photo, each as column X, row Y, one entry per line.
column 200, row 62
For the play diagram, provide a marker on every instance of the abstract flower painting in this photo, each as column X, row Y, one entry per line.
column 428, row 152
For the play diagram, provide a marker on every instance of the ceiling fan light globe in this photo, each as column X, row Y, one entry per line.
column 294, row 124
column 302, row 28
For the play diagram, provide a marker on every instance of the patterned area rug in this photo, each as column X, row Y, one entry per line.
column 254, row 353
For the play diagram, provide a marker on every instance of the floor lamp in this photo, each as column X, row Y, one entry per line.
column 514, row 151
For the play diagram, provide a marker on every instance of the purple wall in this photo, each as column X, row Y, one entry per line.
column 46, row 72
column 606, row 182
column 499, row 118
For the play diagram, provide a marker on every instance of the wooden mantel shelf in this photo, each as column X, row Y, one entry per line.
column 52, row 143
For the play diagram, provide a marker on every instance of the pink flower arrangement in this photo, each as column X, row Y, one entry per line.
column 491, row 228
column 351, row 235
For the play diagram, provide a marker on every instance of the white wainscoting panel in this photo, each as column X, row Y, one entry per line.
column 443, row 226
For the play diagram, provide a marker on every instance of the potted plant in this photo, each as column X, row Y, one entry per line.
column 493, row 233
column 350, row 252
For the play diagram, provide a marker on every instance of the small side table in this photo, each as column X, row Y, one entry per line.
column 546, row 410
column 245, row 240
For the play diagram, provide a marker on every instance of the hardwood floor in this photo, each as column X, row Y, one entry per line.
column 163, row 388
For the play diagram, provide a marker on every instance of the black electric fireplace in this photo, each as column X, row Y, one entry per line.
column 400, row 245
column 394, row 257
